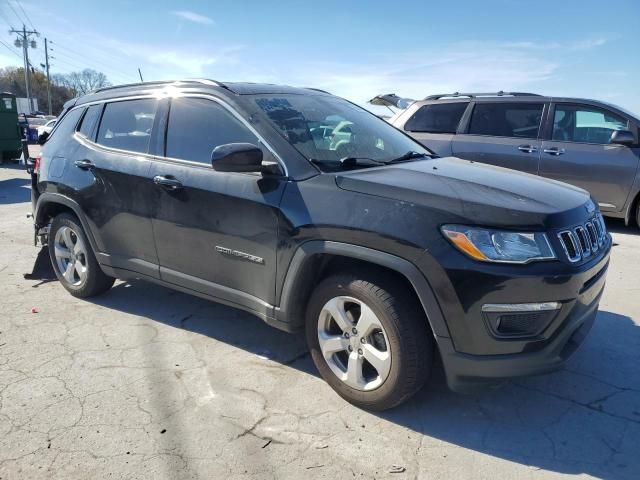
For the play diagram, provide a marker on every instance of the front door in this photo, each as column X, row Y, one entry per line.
column 215, row 232
column 503, row 134
column 579, row 152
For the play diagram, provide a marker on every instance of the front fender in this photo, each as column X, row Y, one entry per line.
column 292, row 299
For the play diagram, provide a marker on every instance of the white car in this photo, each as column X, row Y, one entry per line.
column 47, row 127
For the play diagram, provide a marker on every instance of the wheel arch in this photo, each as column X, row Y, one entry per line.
column 632, row 208
column 51, row 204
column 314, row 259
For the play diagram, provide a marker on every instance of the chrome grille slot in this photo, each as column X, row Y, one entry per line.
column 584, row 240
column 603, row 229
column 593, row 237
column 585, row 246
column 570, row 245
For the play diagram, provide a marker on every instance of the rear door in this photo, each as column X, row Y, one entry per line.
column 578, row 151
column 435, row 124
column 506, row 134
column 119, row 196
column 216, row 232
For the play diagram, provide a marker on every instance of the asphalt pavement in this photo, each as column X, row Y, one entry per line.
column 144, row 382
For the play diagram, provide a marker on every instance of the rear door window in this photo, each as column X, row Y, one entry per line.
column 436, row 118
column 127, row 125
column 520, row 120
column 197, row 126
column 585, row 124
column 64, row 129
column 89, row 121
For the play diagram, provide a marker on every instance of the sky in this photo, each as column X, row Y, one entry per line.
column 354, row 49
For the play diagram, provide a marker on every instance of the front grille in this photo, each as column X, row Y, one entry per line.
column 584, row 240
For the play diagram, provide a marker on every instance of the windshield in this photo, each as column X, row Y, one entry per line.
column 329, row 129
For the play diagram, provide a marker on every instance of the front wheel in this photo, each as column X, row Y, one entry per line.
column 73, row 260
column 369, row 340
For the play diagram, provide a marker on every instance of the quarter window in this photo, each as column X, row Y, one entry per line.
column 197, row 126
column 89, row 121
column 127, row 125
column 506, row 119
column 436, row 118
column 574, row 123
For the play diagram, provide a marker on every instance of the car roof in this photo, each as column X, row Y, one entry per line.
column 227, row 88
column 517, row 97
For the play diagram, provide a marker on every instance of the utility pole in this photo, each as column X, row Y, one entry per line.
column 24, row 42
column 46, row 61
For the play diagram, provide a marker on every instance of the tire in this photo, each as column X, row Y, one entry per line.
column 402, row 348
column 84, row 278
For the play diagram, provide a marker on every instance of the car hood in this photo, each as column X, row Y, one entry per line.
column 475, row 193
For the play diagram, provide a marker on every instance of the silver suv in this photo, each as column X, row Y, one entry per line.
column 590, row 144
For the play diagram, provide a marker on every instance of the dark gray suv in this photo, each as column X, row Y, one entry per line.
column 590, row 144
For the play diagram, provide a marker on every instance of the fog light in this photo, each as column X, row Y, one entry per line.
column 519, row 319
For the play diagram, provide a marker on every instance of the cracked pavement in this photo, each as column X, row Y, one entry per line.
column 145, row 382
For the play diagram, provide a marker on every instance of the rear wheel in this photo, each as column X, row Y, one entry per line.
column 369, row 340
column 73, row 260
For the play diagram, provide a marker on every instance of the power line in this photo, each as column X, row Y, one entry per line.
column 16, row 13
column 5, row 18
column 25, row 13
column 73, row 62
column 102, row 62
column 10, row 49
column 75, row 57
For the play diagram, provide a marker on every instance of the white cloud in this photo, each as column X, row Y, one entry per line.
column 193, row 17
column 468, row 66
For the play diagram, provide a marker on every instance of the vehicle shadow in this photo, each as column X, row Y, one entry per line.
column 576, row 421
column 15, row 190
column 616, row 225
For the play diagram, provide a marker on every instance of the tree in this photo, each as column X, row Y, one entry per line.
column 85, row 81
column 63, row 86
column 12, row 80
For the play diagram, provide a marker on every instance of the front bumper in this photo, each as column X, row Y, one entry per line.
column 490, row 360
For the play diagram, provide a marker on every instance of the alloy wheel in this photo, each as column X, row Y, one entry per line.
column 354, row 343
column 71, row 256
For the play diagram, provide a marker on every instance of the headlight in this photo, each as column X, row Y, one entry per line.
column 499, row 246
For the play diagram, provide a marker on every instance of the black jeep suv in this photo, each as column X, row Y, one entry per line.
column 308, row 211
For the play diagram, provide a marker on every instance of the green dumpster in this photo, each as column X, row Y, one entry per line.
column 10, row 135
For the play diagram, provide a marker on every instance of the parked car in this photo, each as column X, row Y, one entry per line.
column 47, row 127
column 590, row 144
column 379, row 250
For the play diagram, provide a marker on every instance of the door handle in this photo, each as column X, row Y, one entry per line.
column 84, row 164
column 527, row 148
column 554, row 151
column 167, row 183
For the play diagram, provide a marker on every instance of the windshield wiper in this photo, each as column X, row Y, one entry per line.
column 410, row 155
column 348, row 162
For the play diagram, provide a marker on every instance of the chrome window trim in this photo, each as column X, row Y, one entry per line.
column 158, row 95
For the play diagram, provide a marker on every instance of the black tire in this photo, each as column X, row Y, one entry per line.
column 409, row 337
column 95, row 281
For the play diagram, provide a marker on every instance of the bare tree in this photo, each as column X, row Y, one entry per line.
column 85, row 81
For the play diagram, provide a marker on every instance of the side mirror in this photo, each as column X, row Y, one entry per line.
column 237, row 157
column 42, row 138
column 623, row 137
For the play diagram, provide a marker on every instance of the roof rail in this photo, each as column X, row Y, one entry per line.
column 203, row 81
column 474, row 95
column 317, row 90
